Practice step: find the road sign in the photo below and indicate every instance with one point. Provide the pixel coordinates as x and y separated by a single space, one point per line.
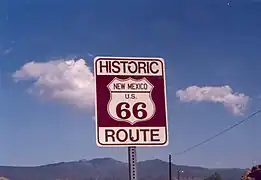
131 107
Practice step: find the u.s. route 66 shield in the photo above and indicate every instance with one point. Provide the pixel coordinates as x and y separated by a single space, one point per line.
130 100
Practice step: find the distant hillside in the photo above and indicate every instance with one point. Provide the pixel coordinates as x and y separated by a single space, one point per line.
110 169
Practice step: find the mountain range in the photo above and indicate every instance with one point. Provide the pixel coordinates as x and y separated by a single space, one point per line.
111 169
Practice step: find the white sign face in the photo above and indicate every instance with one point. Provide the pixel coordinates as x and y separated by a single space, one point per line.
130 101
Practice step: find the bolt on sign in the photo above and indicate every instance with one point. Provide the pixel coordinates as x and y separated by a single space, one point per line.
131 107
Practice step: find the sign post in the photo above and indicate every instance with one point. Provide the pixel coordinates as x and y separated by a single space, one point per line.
131 107
132 161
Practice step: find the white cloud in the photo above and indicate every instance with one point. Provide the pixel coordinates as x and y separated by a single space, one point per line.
69 81
91 55
235 102
7 51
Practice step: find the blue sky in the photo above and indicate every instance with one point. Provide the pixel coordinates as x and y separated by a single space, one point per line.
204 43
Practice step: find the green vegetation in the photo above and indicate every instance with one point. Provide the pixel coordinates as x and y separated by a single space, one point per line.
214 176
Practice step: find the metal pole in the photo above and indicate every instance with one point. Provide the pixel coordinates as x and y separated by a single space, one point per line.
170 176
132 163
178 174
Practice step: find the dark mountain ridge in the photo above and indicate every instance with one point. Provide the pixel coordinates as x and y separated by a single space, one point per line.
111 169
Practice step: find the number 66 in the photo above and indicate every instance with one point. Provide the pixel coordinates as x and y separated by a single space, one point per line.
125 113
